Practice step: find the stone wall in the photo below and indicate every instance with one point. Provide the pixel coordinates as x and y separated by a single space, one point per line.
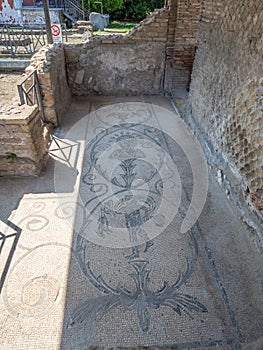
133 64
226 91
23 141
24 137
51 69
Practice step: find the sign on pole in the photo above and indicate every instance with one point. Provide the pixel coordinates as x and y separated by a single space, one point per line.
56 33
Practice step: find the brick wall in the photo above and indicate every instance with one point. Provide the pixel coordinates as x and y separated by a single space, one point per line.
51 69
170 45
226 90
153 28
23 141
185 40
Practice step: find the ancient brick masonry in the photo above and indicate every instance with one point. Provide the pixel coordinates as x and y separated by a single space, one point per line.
185 40
24 137
153 28
51 69
23 141
225 100
226 91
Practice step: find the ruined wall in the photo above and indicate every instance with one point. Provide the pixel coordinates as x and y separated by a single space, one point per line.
185 25
170 45
121 65
226 92
23 141
51 69
24 137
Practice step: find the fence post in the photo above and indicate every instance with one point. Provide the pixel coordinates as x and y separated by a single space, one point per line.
21 94
39 97
10 41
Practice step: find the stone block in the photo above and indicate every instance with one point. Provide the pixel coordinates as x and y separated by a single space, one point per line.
99 21
79 76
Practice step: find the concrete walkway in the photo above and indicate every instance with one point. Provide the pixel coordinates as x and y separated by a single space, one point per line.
126 240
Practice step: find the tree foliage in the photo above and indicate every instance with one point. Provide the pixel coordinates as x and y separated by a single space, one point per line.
134 10
108 5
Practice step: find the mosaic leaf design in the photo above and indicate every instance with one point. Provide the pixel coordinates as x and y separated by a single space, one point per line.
141 300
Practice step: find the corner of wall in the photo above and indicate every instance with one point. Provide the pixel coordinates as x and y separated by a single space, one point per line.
50 64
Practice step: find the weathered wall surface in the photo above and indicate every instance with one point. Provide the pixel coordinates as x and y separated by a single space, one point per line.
23 141
121 65
23 136
51 69
37 16
9 13
12 12
116 69
185 41
226 93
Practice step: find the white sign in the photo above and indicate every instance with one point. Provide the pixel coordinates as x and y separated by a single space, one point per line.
56 33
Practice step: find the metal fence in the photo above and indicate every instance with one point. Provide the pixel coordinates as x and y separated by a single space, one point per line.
29 92
23 40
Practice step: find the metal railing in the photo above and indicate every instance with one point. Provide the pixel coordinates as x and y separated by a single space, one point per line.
73 9
30 94
10 242
24 40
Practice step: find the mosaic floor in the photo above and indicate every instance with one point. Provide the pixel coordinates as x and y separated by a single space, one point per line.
126 240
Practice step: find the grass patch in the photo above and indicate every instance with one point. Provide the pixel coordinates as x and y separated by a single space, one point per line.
117 27
122 25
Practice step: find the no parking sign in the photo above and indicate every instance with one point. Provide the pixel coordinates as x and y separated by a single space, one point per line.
56 33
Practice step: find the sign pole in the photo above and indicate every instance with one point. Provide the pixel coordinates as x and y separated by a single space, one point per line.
48 22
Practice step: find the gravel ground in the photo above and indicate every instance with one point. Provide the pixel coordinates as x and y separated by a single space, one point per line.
8 87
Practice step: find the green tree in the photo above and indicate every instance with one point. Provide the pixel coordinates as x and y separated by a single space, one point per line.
121 10
135 10
154 4
108 5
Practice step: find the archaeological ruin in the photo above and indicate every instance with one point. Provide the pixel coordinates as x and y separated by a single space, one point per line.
206 58
209 51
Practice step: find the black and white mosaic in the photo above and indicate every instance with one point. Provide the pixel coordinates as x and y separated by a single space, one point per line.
140 271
